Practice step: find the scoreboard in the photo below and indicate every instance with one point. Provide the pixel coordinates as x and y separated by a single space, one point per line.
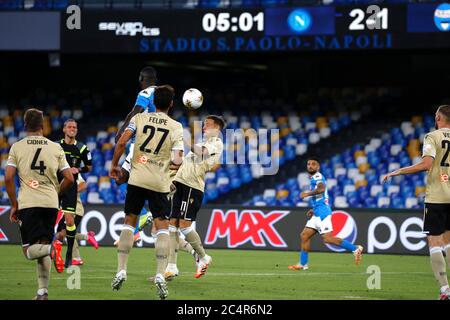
360 27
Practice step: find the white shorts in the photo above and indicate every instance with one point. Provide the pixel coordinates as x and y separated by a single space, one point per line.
321 226
127 163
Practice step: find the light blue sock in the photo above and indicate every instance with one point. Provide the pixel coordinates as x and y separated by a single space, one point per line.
348 246
303 258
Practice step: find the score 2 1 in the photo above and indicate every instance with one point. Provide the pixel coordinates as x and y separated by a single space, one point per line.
374 18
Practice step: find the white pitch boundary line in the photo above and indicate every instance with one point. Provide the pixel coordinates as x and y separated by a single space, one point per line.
303 273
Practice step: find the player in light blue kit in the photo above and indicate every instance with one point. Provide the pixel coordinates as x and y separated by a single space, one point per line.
144 100
319 218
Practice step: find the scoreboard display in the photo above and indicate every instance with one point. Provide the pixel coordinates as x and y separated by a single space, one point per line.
360 27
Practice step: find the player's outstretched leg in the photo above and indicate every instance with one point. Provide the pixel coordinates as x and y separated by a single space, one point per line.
356 249
124 247
185 246
90 238
194 239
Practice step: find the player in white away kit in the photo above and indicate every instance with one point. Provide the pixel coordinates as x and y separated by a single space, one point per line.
436 216
159 145
190 184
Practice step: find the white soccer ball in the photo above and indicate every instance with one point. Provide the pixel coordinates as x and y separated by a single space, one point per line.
193 98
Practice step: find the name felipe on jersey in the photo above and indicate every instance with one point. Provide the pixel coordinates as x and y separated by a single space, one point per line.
157 120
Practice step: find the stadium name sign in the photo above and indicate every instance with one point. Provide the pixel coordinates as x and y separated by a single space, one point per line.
267 43
269 228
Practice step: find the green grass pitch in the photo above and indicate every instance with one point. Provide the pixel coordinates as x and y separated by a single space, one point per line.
234 274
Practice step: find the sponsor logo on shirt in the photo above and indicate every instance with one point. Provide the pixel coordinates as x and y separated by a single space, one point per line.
33 184
142 159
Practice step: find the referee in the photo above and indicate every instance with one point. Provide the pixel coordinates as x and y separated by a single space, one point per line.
436 219
77 153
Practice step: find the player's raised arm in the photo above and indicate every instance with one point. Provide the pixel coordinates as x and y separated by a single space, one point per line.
136 110
177 148
177 159
424 165
198 150
428 155
115 171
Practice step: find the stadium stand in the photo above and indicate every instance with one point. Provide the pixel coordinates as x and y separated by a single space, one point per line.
321 118
354 177
295 135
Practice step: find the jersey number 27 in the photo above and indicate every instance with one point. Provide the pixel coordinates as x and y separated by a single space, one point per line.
152 129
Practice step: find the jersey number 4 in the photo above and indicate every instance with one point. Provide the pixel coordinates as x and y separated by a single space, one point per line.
41 166
152 129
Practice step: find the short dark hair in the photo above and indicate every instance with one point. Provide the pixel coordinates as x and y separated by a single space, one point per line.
313 158
34 120
163 97
220 121
70 120
445 111
148 74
